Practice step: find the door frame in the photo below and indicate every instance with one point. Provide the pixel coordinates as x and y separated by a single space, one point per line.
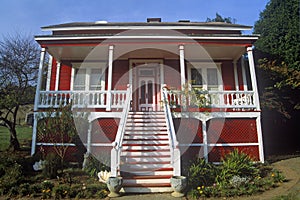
158 79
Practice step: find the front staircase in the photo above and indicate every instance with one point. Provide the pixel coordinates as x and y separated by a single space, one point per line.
145 157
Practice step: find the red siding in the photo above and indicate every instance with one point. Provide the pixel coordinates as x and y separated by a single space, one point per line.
228 75
188 130
240 75
120 74
65 77
232 131
104 130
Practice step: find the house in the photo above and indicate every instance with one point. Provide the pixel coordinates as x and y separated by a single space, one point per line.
158 93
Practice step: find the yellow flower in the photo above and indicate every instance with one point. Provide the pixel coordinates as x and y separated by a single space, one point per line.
273 175
202 186
198 188
201 191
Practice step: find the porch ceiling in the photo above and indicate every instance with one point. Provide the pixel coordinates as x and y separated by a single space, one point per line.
193 52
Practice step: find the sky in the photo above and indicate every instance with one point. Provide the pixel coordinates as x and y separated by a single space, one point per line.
28 16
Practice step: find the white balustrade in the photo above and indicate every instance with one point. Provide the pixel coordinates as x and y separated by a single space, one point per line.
81 99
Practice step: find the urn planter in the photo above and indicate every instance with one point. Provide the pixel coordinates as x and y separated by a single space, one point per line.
179 184
114 184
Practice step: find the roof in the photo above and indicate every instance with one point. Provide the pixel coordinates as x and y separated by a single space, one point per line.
138 25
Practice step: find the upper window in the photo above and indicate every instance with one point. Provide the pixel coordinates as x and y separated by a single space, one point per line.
89 77
205 76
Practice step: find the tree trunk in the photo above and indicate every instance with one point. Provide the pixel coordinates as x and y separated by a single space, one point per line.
14 142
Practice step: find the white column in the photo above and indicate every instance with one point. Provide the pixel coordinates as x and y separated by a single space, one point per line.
253 77
36 101
244 74
109 81
205 146
57 76
236 76
89 138
49 73
260 139
182 65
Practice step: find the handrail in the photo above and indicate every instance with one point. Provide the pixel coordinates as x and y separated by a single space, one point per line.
117 144
175 152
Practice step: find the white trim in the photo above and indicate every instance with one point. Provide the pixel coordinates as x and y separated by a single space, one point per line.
109 81
182 65
89 66
244 74
204 66
37 38
72 78
204 134
49 73
147 27
36 100
58 65
253 77
260 139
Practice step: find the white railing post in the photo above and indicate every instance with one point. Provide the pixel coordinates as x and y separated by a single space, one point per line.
37 100
109 77
117 144
174 149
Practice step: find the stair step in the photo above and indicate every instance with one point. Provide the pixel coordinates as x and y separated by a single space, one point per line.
146 143
146 148
153 177
149 173
148 189
146 132
146 120
144 181
145 128
146 137
145 153
147 159
145 167
142 124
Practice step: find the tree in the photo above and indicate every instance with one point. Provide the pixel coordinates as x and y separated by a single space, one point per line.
19 59
279 50
219 18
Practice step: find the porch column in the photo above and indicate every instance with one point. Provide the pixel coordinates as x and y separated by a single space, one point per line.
36 100
244 74
109 81
182 65
49 73
253 77
57 75
236 79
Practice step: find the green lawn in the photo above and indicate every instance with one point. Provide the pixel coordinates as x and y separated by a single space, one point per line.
24 134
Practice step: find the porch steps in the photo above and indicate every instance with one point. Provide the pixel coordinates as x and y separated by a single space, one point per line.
145 158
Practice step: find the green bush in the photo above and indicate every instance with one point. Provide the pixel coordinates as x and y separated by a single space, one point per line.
52 163
93 166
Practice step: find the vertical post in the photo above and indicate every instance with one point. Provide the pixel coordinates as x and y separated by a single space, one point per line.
253 77
205 146
89 139
49 73
57 75
36 100
109 81
182 65
244 74
236 79
260 139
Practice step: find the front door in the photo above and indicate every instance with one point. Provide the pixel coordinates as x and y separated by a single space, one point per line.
146 93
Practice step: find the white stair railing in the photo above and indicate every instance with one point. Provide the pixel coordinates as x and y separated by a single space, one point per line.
117 144
175 152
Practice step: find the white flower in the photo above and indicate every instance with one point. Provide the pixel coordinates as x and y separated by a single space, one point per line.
38 165
103 176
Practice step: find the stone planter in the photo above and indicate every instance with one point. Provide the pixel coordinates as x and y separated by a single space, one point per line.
179 184
114 184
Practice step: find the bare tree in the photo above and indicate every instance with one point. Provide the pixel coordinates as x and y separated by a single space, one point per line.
19 59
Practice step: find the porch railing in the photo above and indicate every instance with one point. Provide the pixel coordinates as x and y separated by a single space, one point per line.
175 152
117 144
213 99
82 99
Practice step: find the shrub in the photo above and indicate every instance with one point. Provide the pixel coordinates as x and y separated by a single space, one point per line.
51 166
94 165
236 164
200 173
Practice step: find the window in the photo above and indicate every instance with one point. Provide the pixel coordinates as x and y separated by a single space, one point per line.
205 76
89 78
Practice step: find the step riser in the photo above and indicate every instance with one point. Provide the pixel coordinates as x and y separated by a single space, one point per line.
147 142
148 159
146 154
146 137
141 181
147 190
145 148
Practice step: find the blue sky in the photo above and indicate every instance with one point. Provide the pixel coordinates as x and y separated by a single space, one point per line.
29 15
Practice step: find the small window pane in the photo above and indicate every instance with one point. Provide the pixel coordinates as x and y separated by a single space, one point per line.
196 77
95 79
212 76
79 82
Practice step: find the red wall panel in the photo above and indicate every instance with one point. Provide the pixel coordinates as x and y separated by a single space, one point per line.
53 75
65 77
228 75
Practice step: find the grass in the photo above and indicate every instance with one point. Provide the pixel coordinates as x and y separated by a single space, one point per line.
24 134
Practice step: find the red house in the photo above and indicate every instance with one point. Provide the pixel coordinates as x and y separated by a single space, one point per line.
158 93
